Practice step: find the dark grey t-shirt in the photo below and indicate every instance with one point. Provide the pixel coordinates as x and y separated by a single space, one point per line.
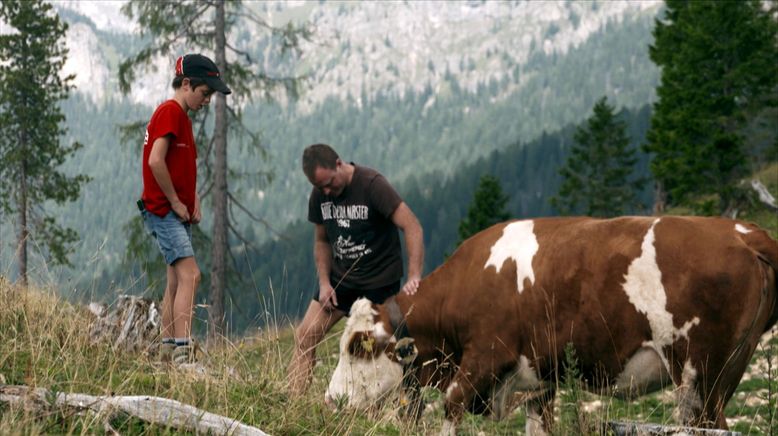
364 240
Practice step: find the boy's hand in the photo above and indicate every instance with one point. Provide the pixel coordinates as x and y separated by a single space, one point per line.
197 215
181 210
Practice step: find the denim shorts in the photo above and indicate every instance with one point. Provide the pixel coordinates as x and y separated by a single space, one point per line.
174 238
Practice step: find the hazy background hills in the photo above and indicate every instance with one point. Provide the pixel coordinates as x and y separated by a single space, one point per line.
430 93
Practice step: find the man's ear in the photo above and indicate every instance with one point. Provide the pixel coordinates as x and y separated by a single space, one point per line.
363 345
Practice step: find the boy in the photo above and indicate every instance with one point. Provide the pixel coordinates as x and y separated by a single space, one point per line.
170 204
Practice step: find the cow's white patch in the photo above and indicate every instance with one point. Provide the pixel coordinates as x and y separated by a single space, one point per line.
644 372
534 425
643 286
518 242
364 381
450 390
380 332
742 229
689 403
527 377
449 428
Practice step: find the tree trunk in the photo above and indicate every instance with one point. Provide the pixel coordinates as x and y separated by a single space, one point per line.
219 247
23 230
660 198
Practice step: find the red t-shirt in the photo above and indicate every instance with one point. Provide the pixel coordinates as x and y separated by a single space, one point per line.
181 158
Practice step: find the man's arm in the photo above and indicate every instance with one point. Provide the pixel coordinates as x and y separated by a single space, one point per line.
162 176
322 253
404 218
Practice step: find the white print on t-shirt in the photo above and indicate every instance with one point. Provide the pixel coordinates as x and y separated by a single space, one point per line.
351 212
347 249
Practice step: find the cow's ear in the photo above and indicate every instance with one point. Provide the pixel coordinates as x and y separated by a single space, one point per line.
405 351
363 344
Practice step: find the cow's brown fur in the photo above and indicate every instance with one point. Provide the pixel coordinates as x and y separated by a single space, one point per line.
471 325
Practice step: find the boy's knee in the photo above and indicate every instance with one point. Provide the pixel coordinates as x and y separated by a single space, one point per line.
189 274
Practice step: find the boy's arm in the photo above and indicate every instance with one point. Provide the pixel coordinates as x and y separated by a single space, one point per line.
197 215
162 176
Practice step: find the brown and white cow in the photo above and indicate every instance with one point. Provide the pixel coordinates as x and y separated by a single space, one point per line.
644 301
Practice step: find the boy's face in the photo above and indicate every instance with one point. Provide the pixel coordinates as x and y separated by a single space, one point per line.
198 97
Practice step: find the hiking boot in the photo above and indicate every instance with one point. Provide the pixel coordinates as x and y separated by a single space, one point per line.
184 354
165 352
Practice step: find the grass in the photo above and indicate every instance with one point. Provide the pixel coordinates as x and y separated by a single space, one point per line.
44 342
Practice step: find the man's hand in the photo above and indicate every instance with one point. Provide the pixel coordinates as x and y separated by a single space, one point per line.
411 286
327 297
181 210
197 214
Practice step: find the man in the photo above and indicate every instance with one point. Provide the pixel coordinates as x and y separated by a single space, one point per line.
169 203
356 214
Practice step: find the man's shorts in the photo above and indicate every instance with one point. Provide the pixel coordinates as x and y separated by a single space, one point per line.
347 296
174 238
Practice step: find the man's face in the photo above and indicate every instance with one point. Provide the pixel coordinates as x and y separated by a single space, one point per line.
330 182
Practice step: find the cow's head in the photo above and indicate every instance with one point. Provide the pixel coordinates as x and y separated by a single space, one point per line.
371 360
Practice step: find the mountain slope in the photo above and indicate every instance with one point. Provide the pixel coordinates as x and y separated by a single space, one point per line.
402 124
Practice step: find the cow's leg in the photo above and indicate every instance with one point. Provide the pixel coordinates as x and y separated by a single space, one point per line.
701 396
687 396
540 412
716 388
474 377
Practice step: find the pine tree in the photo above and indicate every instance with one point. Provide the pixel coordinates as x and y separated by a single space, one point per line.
596 176
719 60
205 26
487 208
31 89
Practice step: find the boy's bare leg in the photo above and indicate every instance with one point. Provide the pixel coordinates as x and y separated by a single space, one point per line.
315 324
167 303
188 278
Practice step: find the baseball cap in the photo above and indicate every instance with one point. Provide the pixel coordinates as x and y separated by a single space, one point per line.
197 65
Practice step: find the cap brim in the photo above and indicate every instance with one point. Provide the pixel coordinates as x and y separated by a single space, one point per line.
217 85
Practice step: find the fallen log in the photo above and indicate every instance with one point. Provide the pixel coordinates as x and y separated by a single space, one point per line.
156 410
639 429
